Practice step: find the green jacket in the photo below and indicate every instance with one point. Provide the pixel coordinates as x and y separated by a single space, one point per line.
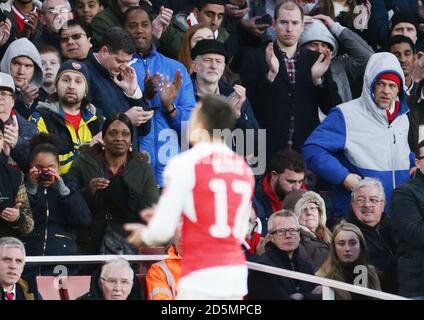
103 21
122 200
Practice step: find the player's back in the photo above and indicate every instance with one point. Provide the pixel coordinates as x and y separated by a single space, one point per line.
216 212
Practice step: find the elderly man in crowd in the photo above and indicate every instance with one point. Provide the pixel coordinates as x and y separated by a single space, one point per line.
368 201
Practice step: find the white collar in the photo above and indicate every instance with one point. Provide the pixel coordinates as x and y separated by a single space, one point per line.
12 291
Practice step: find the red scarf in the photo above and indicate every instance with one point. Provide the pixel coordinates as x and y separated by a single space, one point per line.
276 203
392 116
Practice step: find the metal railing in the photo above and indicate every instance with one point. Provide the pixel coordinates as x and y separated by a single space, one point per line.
328 285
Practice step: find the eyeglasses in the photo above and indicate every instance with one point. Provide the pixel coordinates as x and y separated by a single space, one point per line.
361 201
58 10
282 232
5 94
75 36
114 282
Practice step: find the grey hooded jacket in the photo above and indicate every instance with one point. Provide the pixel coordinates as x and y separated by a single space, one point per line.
349 66
23 47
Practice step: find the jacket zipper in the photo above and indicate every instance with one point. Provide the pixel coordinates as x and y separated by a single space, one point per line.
47 223
393 160
62 236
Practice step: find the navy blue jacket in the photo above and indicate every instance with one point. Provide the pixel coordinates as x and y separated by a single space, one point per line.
20 153
56 218
108 97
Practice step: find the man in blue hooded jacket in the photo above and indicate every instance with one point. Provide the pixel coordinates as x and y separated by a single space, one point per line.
366 137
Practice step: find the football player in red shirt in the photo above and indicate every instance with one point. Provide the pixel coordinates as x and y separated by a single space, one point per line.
210 187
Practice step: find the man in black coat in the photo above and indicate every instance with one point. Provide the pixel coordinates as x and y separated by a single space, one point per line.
207 79
407 212
282 251
368 201
286 84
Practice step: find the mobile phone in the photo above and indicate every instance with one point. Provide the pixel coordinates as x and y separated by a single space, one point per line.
265 19
3 203
149 108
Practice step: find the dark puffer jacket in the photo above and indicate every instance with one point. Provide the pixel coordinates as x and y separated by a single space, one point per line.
407 212
266 286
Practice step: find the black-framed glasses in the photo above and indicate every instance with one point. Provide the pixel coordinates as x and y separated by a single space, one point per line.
75 36
282 232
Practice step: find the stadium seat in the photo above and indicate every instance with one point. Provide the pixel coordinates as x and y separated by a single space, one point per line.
75 286
143 284
48 287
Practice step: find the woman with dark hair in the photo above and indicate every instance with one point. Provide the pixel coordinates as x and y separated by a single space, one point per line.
15 213
116 181
346 262
57 209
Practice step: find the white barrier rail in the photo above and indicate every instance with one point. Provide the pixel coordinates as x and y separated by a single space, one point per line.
87 259
327 284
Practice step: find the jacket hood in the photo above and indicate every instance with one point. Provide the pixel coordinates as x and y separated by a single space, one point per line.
317 31
307 198
378 64
54 106
23 47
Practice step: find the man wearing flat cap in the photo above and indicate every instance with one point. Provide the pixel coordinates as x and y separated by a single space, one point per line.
68 113
209 58
366 137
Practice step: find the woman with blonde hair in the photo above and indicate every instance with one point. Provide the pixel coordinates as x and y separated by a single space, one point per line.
314 235
191 37
348 261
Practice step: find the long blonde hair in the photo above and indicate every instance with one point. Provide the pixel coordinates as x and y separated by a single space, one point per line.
333 267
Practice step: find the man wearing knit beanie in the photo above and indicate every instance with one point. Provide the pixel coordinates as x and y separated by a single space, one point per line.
68 113
366 137
386 90
404 24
